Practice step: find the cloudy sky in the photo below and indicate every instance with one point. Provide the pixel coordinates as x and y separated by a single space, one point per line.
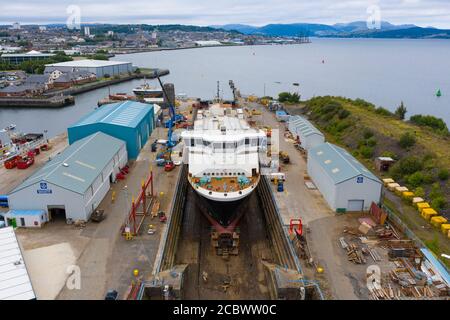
211 12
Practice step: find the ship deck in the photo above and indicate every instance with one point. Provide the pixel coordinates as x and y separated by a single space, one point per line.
225 184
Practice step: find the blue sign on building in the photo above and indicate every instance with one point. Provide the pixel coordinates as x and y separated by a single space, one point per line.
359 180
44 188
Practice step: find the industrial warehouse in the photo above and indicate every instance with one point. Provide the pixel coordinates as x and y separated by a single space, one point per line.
74 182
100 68
305 133
343 181
132 122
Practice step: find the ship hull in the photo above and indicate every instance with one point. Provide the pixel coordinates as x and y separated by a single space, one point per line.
224 213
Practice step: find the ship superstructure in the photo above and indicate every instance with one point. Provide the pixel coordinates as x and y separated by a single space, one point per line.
222 152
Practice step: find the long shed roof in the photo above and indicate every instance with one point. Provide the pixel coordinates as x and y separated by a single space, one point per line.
303 126
15 283
87 63
77 167
339 165
125 113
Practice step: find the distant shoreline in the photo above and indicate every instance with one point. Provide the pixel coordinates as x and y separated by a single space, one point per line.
201 47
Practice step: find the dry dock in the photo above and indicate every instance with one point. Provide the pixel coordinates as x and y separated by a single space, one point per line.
266 267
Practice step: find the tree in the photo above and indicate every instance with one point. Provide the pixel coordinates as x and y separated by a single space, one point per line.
401 111
407 140
443 174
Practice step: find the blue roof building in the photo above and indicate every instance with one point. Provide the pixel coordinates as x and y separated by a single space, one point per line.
130 121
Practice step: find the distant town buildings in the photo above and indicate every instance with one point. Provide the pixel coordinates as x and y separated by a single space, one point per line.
87 31
17 58
16 26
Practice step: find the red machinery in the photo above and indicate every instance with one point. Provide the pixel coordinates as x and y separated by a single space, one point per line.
12 163
169 166
296 226
26 162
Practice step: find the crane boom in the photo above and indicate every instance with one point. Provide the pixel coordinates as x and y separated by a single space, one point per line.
172 113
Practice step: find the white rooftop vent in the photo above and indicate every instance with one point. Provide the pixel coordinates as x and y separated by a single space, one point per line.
327 161
319 153
335 170
65 164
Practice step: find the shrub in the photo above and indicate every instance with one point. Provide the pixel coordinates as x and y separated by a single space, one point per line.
289 97
367 133
439 203
343 114
416 179
382 111
371 142
407 140
366 151
430 121
443 174
419 192
406 166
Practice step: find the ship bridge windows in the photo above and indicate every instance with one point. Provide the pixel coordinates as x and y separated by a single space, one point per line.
230 145
217 145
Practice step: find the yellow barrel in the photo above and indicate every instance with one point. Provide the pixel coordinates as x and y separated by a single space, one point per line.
408 195
438 221
422 205
428 213
445 228
400 190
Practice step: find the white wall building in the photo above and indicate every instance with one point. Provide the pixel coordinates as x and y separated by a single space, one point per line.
99 67
25 218
303 130
343 181
74 182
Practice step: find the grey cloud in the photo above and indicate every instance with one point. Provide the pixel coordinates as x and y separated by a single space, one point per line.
206 12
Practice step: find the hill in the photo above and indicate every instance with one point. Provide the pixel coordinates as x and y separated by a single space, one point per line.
357 29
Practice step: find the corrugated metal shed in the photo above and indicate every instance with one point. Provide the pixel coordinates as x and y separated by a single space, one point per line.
15 283
300 126
77 167
126 113
339 164
307 133
130 121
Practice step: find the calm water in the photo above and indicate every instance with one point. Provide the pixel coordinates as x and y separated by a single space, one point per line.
384 72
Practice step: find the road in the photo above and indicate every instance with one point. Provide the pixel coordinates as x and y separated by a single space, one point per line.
325 227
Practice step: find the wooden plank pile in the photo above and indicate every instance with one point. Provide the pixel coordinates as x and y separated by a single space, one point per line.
355 255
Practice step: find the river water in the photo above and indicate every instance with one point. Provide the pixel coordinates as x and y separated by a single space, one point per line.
384 72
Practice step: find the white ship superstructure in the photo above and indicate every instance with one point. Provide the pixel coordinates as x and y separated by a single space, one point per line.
222 152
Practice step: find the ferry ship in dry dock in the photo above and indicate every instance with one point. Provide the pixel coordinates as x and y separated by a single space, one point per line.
222 152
